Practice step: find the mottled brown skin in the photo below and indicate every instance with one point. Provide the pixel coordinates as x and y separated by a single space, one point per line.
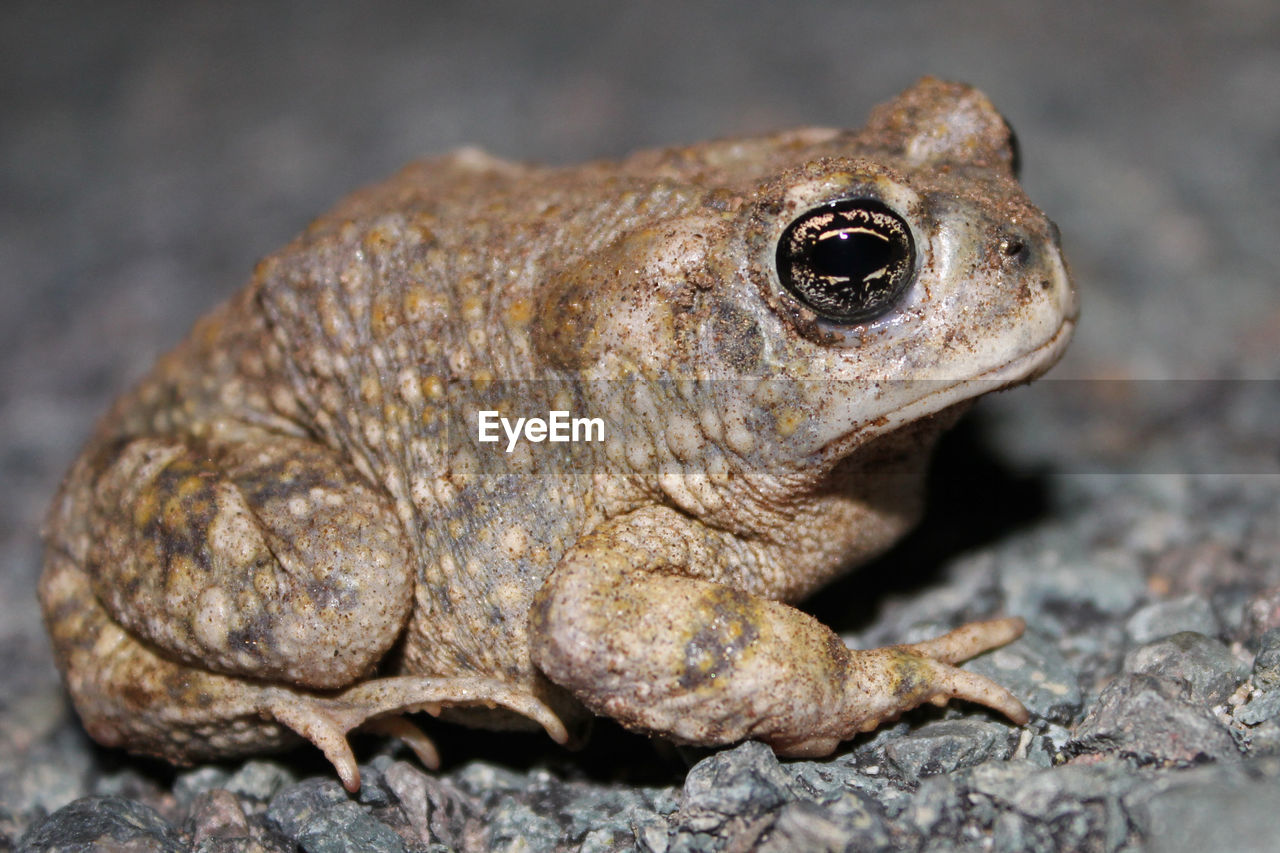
289 526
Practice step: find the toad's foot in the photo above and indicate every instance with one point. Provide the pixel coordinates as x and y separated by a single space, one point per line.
378 704
882 684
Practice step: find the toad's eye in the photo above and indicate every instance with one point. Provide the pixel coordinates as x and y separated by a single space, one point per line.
850 260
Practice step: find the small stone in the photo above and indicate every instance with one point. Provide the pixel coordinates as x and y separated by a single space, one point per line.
1151 719
1266 664
373 788
347 828
1265 704
409 786
1049 793
103 823
930 810
191 784
601 813
744 780
1259 709
298 805
435 809
1204 665
131 783
1045 748
259 780
604 840
1264 737
1162 618
864 820
944 746
652 833
320 816
216 814
481 777
828 781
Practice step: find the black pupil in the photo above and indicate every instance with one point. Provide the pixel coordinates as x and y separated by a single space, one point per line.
853 254
850 261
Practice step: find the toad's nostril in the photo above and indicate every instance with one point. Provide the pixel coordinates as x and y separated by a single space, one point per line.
1011 247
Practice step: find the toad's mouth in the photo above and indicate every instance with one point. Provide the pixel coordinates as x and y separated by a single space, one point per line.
1029 366
1019 370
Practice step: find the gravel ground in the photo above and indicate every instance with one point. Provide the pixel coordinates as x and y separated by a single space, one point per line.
1127 505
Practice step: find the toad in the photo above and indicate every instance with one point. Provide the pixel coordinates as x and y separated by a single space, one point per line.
297 525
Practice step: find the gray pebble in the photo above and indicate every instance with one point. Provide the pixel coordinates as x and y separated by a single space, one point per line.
1259 709
1266 664
1150 719
1016 805
435 810
373 788
298 805
1263 739
1202 664
1162 618
1265 705
947 745
652 833
103 823
323 819
347 828
1049 793
514 821
1073 807
216 814
259 780
1013 833
1262 612
192 783
743 780
863 771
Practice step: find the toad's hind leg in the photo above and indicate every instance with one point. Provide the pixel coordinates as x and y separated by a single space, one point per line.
266 557
130 695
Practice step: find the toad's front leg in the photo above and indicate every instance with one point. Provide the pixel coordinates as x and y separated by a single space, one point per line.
624 623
